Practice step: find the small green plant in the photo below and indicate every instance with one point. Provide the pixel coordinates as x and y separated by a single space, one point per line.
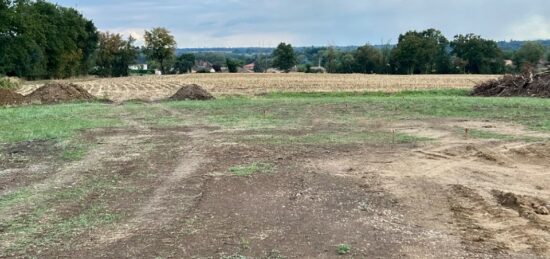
233 256
248 170
7 83
275 254
245 244
343 249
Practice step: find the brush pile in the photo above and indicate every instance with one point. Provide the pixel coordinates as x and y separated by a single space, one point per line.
526 84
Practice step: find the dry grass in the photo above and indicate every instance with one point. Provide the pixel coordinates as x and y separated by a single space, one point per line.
158 87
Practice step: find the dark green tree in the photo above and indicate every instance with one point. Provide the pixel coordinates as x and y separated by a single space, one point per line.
368 59
160 46
115 55
184 63
42 40
284 57
232 65
481 56
529 54
346 63
330 57
421 52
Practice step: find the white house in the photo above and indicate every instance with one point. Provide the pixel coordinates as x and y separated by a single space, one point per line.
138 67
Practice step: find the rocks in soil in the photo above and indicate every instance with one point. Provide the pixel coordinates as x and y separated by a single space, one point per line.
59 92
527 84
9 97
191 92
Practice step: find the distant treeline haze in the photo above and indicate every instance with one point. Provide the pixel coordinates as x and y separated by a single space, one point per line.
43 40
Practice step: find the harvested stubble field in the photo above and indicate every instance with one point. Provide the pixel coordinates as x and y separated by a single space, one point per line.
281 175
155 87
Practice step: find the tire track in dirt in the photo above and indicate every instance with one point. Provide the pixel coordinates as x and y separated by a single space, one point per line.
451 184
173 197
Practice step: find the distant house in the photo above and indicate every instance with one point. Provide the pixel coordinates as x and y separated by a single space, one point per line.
138 67
203 67
317 70
247 68
508 62
273 70
250 66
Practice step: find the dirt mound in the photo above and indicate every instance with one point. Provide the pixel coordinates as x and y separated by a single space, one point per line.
9 97
59 92
516 85
525 205
191 92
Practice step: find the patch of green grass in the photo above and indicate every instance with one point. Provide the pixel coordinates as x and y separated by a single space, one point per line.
73 150
274 254
60 122
250 169
42 227
20 195
343 249
404 93
294 110
48 223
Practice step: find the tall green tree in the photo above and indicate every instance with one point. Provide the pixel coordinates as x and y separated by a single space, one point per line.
330 57
481 56
160 46
346 63
43 40
421 52
529 54
284 57
184 63
233 65
368 59
115 54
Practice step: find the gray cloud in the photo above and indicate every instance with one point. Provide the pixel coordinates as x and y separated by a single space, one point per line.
317 22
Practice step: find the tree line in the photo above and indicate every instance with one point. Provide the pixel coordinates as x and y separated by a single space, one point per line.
423 52
43 40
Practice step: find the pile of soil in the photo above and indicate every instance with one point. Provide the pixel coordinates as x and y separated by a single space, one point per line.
516 85
59 92
191 92
9 97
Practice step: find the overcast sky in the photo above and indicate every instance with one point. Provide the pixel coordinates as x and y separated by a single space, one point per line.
243 23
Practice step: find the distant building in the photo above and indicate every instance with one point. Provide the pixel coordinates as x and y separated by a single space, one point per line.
203 67
247 68
273 70
318 70
138 67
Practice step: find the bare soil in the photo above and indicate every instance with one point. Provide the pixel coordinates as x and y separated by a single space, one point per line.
454 198
9 97
191 92
58 92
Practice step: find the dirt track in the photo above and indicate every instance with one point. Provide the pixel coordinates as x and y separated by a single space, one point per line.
430 200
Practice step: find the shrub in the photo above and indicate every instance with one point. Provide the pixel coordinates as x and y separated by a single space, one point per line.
343 249
9 83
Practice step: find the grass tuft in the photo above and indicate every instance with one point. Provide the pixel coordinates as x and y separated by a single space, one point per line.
248 170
